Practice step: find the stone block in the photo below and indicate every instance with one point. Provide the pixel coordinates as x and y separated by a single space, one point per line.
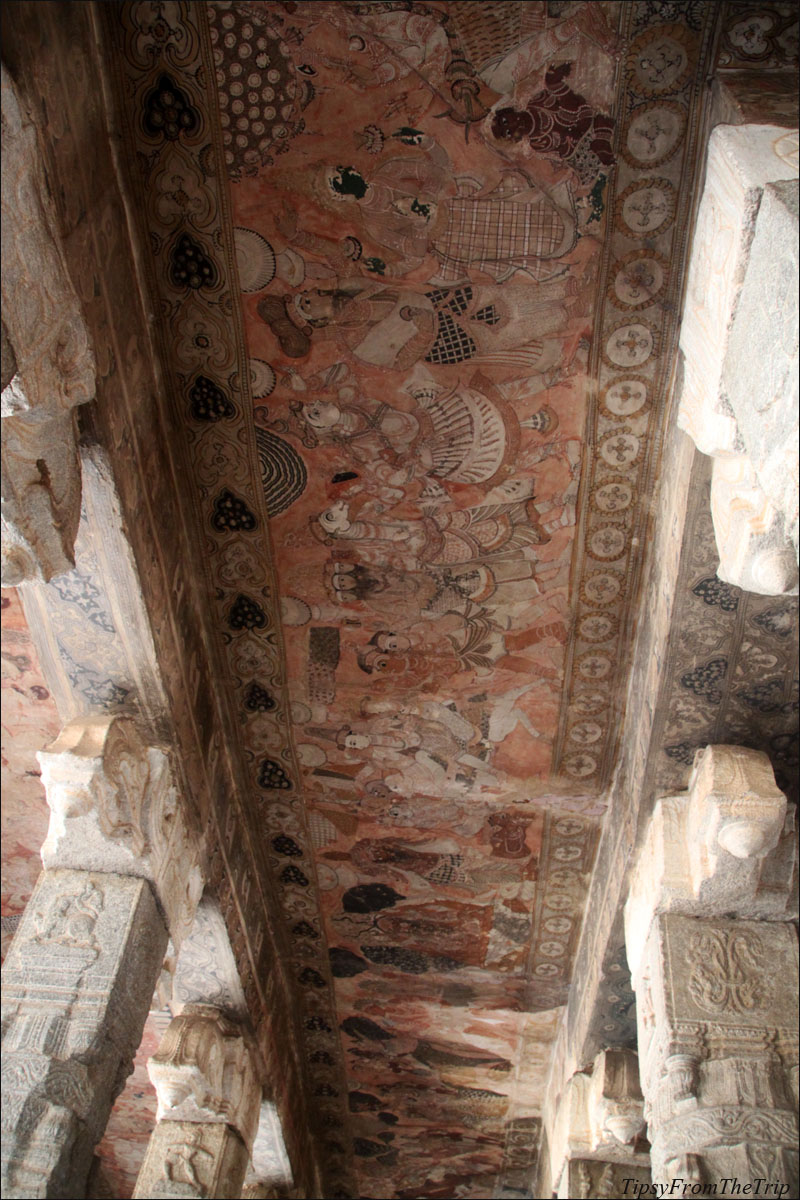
761 370
593 1179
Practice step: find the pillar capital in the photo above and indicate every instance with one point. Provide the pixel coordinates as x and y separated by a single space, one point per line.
203 1072
114 808
725 847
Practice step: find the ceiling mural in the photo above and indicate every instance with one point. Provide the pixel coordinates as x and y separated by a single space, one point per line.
416 269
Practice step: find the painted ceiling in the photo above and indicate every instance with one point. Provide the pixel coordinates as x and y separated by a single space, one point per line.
416 270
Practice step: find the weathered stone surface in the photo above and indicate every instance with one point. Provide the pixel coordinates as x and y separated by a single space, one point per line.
192 1159
48 366
738 263
587 1179
205 971
717 1039
203 1072
77 985
600 1116
270 1172
760 376
114 808
727 847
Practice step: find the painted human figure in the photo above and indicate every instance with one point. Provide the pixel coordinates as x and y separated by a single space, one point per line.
472 534
411 207
463 434
514 327
559 123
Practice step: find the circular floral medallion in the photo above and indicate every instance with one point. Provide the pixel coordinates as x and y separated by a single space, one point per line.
654 133
586 733
603 587
579 766
621 449
596 664
614 495
625 397
660 60
630 344
597 627
646 207
589 703
638 279
608 543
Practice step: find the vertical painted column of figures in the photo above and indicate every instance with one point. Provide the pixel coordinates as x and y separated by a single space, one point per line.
79 977
714 965
595 1143
209 1103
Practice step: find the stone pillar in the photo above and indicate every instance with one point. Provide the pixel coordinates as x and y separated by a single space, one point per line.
596 1137
716 989
739 396
79 978
77 985
208 1109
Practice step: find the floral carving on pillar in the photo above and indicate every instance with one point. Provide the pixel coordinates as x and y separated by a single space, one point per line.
718 1040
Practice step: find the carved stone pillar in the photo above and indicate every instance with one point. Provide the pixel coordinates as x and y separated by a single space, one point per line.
77 985
597 1130
79 977
208 1109
716 992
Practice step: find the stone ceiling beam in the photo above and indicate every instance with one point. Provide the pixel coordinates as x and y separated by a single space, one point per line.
48 365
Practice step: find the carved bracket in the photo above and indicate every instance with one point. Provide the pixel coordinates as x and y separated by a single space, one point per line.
113 808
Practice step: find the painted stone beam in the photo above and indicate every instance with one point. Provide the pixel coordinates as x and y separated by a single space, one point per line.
48 365
739 399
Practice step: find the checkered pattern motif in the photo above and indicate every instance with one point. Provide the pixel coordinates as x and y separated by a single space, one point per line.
492 233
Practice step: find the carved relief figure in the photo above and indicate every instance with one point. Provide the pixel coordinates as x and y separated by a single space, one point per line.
506 327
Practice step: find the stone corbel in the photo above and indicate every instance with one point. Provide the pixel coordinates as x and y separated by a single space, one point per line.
47 370
600 1116
616 1116
726 847
203 1073
113 808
